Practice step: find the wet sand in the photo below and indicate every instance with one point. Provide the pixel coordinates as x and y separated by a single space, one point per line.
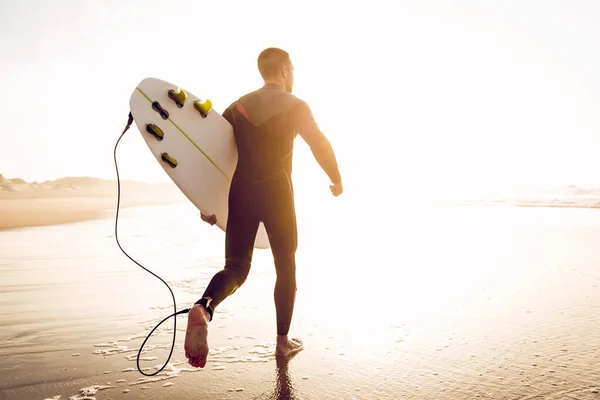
487 303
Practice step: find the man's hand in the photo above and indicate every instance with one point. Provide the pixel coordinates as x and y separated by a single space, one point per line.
337 188
211 219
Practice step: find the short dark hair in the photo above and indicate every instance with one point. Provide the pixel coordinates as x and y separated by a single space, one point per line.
271 60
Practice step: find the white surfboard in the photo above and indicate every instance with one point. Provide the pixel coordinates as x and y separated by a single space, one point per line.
194 144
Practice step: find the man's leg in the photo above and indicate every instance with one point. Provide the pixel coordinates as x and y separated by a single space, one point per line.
280 223
240 235
239 246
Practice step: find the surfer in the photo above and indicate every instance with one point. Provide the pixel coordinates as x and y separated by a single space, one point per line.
265 123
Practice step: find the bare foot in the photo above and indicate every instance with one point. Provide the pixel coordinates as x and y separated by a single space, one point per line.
196 335
287 347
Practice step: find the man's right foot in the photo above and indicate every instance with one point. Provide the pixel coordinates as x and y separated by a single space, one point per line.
287 347
196 336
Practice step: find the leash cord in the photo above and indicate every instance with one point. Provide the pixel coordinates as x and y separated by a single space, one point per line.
175 313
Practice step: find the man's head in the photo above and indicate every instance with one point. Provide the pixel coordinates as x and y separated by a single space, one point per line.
276 67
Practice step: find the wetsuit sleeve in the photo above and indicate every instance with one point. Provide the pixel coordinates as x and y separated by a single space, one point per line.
320 146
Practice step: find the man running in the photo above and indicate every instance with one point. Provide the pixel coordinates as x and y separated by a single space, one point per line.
265 124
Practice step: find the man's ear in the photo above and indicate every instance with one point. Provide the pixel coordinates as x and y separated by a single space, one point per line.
285 71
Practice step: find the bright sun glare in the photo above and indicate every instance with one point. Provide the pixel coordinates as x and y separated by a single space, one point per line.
419 101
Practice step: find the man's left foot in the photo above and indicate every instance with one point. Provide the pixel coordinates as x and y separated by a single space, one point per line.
288 347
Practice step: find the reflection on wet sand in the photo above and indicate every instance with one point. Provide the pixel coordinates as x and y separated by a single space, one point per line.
283 384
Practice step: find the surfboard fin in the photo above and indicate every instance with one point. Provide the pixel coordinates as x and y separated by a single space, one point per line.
203 106
155 131
179 96
169 160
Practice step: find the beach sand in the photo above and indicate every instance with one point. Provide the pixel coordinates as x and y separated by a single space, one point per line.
459 303
39 206
20 213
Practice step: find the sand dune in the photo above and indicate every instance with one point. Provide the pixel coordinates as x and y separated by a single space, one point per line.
73 199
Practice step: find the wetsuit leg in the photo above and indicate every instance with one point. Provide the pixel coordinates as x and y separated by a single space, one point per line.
279 217
240 235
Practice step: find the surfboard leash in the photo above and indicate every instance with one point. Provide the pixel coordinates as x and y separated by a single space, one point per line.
175 313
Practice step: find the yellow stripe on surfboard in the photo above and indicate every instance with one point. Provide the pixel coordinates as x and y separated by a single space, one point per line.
188 138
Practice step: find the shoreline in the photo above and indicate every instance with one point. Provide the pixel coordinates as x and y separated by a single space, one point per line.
530 205
26 212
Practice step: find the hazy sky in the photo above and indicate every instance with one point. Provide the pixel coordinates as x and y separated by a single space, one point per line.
410 93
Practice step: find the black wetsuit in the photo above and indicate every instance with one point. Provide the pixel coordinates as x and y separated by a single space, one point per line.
265 124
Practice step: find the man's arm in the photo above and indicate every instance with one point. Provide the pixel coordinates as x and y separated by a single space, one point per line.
320 146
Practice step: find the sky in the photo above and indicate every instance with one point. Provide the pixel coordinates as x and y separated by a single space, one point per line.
420 96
